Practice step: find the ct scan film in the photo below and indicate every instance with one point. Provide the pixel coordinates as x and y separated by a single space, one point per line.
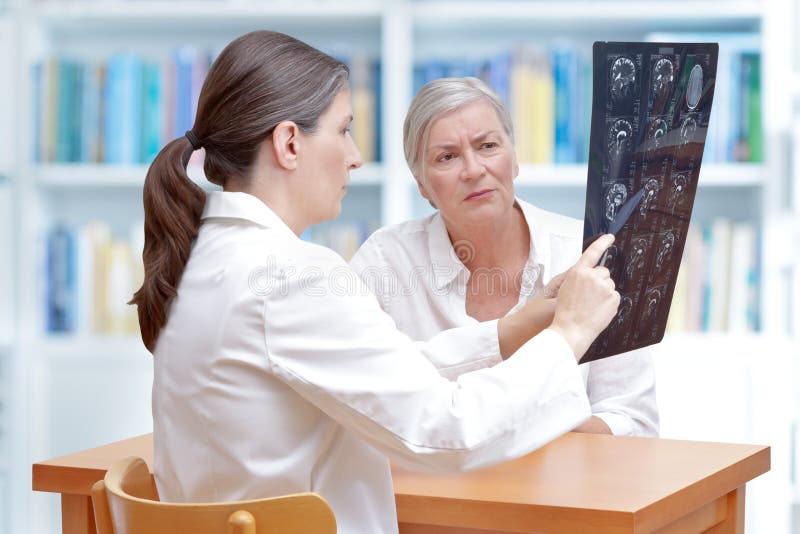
650 110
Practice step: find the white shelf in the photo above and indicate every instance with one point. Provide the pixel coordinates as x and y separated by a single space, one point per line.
86 346
122 176
60 14
711 175
640 15
132 176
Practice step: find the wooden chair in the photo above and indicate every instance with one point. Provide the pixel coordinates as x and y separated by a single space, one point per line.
126 502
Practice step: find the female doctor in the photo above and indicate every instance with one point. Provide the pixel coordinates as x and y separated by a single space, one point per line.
269 378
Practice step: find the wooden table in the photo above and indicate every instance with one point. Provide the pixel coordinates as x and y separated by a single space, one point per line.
578 483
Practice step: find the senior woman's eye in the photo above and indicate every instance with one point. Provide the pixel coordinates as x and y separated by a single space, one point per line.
447 156
489 144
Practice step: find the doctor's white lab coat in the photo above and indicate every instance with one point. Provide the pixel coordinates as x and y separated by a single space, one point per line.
277 372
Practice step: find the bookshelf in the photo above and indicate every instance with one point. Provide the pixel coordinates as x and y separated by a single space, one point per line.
132 176
399 33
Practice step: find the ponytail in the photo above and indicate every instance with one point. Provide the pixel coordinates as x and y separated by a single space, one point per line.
173 206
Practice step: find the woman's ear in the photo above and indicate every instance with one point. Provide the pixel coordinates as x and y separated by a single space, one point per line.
424 192
516 164
285 141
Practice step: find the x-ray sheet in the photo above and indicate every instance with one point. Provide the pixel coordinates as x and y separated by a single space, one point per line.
649 119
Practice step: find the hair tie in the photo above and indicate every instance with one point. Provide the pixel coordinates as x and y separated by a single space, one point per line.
193 140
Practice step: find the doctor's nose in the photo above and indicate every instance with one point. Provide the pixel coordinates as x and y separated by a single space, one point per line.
354 158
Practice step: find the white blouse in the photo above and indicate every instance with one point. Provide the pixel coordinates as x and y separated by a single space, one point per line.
277 372
420 281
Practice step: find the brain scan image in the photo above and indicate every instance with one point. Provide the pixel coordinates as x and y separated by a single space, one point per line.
665 248
688 127
677 191
656 130
615 197
623 76
650 116
638 251
651 188
610 255
653 298
663 75
619 138
694 89
624 310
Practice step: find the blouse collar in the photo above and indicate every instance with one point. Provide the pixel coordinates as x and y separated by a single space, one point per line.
244 206
447 265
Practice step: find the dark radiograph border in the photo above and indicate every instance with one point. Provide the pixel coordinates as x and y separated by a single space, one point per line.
650 114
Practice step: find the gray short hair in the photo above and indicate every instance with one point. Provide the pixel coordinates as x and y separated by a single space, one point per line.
437 98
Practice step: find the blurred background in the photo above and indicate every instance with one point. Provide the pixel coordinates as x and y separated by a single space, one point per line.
90 90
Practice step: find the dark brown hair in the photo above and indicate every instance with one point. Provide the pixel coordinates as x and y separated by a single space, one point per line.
259 80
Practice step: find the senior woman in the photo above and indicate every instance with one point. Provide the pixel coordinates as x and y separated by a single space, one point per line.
484 252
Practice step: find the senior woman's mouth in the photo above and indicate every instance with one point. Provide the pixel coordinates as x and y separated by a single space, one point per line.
477 195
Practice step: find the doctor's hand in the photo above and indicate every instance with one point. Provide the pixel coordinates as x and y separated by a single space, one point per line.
587 299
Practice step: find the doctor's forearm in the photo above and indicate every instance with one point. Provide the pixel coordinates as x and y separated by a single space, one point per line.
516 329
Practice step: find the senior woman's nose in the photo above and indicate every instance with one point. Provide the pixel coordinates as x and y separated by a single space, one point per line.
473 167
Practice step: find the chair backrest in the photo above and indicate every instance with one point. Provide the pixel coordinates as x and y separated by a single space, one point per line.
126 502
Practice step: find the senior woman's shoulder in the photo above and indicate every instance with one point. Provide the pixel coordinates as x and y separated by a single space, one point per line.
397 241
554 223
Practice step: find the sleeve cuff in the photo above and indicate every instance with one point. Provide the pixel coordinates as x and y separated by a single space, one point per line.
465 349
620 425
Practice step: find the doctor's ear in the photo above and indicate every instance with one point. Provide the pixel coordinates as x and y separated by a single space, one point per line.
285 143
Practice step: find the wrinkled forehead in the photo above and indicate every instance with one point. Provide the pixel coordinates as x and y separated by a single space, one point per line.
473 117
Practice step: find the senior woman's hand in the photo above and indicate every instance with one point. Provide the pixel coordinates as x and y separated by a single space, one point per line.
578 304
550 291
587 299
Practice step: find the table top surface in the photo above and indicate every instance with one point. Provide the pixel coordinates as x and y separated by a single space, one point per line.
629 477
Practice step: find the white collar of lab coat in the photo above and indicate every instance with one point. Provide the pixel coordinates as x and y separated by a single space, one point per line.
235 205
448 265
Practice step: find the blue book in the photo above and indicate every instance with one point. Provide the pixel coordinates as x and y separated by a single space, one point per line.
565 78
461 68
499 72
123 112
184 59
76 112
65 102
152 106
377 72
433 70
90 114
61 298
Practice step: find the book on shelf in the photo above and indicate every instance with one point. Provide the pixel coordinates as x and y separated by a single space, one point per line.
717 289
548 93
124 109
89 276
